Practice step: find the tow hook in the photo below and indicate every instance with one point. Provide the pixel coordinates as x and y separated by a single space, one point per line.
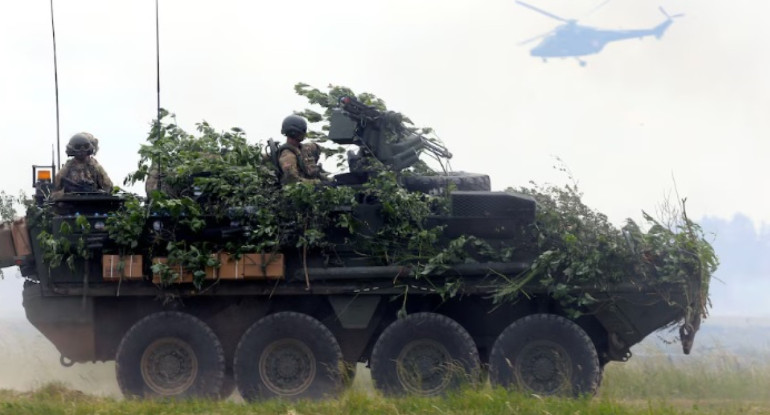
65 361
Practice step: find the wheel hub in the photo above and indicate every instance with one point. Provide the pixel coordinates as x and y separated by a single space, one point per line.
287 367
169 366
543 367
424 367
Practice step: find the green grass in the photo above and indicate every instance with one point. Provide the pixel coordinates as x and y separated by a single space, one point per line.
721 377
56 399
718 384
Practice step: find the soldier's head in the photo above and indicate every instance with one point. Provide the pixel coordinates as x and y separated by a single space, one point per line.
294 127
81 145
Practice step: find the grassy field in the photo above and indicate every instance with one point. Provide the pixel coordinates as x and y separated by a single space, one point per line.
715 384
716 379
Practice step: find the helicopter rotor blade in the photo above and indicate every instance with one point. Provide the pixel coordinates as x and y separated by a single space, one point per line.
602 4
532 39
541 11
667 15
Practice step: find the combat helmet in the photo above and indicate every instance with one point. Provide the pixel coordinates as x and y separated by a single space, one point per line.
293 126
81 144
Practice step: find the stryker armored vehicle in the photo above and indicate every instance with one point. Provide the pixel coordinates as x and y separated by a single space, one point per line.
293 325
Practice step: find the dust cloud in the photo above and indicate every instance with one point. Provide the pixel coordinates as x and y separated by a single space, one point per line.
28 361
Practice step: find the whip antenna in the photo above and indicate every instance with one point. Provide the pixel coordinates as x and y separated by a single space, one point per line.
56 88
157 76
157 59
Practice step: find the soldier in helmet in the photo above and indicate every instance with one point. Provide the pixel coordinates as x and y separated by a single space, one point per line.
298 161
82 173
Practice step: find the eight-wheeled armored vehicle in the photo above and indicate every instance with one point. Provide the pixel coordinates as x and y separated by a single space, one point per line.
295 326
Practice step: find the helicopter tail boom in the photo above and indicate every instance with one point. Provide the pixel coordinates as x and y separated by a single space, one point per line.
660 29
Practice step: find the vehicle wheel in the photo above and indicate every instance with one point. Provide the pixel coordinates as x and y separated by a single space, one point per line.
170 354
438 184
288 355
424 354
545 354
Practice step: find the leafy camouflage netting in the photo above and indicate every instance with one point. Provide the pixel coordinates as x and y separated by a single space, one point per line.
581 249
219 174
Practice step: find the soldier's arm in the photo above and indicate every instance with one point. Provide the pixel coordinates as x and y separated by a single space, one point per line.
315 150
289 167
107 182
57 181
323 175
104 179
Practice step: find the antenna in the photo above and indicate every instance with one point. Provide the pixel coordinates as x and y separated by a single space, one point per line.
56 87
157 74
157 59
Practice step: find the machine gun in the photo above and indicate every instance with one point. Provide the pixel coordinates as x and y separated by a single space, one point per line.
359 110
382 135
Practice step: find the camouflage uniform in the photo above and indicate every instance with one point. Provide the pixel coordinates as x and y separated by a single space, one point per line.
300 164
152 181
86 176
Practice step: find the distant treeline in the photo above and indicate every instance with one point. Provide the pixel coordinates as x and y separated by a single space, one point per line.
742 248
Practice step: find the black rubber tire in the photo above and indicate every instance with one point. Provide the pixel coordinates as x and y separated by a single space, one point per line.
441 350
170 339
277 343
545 354
438 184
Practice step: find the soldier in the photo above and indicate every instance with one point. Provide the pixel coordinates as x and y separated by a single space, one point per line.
82 173
153 182
298 162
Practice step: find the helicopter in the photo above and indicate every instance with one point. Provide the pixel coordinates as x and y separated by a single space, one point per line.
573 40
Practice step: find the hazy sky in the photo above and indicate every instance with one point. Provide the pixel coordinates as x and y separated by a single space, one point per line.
692 106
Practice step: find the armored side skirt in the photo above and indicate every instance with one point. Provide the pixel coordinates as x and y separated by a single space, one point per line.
67 321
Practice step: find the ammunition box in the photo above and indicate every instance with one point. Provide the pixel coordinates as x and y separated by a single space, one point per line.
179 274
132 267
268 266
251 266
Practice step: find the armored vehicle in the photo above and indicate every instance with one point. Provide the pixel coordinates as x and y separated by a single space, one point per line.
294 325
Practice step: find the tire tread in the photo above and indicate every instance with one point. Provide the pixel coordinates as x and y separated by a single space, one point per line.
380 359
593 378
137 329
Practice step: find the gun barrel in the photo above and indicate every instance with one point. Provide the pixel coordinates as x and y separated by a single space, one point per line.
437 149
